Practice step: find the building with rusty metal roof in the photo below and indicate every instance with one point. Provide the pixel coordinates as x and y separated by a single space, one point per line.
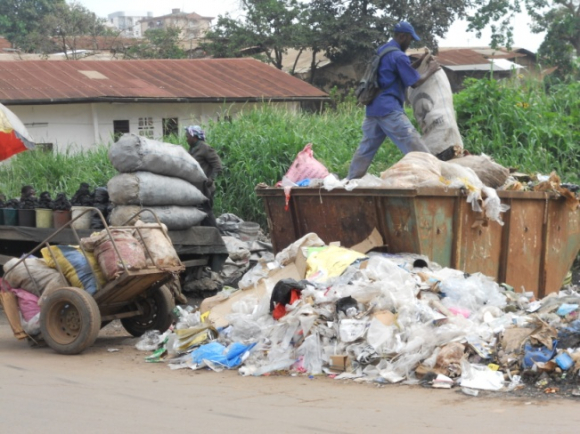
76 103
478 62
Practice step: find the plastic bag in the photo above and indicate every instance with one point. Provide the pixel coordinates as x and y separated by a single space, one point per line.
289 254
81 271
312 353
414 170
305 166
150 341
27 303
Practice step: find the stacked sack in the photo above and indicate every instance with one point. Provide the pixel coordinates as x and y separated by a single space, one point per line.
155 175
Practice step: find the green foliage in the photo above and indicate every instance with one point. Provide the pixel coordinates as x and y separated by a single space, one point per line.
520 123
158 44
268 25
63 27
346 32
55 172
19 18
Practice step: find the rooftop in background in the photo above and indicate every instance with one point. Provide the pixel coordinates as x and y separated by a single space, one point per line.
476 58
200 80
177 12
4 43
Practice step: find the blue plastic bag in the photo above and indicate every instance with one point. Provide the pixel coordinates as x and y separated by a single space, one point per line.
230 357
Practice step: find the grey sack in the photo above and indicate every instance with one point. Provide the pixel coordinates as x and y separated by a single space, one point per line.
133 153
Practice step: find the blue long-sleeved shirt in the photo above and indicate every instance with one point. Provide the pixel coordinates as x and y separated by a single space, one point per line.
395 75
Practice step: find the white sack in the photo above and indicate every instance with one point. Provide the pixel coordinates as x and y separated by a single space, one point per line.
433 109
35 276
159 246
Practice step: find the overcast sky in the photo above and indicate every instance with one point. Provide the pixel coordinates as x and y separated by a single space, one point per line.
456 37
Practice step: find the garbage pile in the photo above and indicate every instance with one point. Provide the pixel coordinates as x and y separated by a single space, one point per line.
246 244
155 175
375 317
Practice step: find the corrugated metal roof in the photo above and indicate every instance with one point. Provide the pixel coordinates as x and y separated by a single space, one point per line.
168 80
468 56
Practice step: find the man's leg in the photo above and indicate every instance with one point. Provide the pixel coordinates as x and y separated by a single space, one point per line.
400 130
373 137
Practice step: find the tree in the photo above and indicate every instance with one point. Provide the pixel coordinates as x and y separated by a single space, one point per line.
345 31
560 19
158 44
67 23
268 25
20 18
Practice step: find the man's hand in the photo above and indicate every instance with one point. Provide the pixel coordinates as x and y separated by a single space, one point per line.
433 66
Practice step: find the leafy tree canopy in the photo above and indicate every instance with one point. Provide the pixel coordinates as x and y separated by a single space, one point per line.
19 18
158 44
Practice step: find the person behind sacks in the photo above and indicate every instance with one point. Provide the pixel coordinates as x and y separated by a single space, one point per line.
211 165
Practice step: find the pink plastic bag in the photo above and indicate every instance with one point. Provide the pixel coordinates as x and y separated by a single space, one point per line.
305 166
27 302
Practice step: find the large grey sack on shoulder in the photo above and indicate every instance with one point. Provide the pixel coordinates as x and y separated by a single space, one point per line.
176 218
149 189
491 174
132 153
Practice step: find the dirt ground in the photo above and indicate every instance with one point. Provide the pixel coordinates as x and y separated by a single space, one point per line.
103 391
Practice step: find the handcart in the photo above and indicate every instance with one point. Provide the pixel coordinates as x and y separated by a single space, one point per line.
70 317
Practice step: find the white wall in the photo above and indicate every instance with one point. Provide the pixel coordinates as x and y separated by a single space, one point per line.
72 126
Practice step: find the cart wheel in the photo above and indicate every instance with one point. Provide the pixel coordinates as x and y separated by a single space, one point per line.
70 320
157 313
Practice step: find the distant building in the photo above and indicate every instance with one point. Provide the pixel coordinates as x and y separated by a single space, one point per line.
479 62
78 104
129 23
192 26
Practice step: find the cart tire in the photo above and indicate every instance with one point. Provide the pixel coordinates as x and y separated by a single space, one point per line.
70 320
157 316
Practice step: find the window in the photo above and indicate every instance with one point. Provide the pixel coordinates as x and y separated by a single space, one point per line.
120 128
170 127
146 128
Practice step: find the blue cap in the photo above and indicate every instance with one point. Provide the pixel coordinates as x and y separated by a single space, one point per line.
405 27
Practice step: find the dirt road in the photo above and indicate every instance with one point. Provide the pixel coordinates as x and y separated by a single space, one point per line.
117 392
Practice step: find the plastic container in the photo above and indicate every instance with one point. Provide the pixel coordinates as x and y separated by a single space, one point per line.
27 217
83 222
564 361
10 216
44 218
249 231
60 218
538 354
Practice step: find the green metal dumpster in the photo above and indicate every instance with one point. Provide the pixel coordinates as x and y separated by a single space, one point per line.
532 251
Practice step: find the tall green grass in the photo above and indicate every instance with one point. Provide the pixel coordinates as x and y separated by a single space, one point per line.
55 172
520 123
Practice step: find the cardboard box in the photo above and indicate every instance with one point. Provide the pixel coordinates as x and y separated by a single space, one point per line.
339 363
373 240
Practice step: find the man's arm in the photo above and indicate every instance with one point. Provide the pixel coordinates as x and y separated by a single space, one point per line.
417 62
432 69
214 161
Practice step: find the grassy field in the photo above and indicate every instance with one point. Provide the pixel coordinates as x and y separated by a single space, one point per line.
520 123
